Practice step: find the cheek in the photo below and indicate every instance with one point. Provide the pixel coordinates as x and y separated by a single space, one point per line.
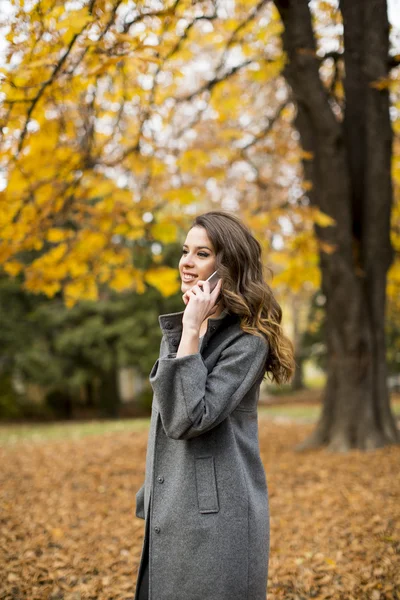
206 269
211 264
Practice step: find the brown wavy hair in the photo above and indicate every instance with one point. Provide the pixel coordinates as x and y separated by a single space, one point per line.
244 290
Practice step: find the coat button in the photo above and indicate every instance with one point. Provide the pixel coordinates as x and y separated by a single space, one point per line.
168 325
213 327
157 529
175 341
160 479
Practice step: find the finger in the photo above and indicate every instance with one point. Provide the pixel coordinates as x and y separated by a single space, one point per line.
206 287
217 289
196 289
200 284
203 286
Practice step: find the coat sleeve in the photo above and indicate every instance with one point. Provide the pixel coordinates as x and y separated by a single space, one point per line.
193 401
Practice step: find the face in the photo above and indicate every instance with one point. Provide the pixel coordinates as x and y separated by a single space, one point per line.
198 258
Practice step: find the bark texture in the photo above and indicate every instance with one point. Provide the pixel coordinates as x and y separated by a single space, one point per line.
351 180
298 378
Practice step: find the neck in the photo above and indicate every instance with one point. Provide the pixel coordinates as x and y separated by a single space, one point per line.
214 315
218 311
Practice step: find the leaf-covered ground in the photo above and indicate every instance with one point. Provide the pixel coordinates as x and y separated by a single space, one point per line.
68 528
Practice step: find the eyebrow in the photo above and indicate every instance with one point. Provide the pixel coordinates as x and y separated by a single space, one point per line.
198 247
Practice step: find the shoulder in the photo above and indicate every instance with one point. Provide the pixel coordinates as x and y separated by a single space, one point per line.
243 340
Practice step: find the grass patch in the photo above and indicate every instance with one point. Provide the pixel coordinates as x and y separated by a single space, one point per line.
38 432
295 413
304 412
10 434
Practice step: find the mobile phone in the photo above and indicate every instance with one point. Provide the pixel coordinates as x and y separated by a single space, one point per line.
213 280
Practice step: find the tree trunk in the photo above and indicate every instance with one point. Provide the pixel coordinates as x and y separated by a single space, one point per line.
90 394
350 172
298 380
109 395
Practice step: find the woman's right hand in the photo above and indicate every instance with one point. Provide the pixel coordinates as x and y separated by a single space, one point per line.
200 304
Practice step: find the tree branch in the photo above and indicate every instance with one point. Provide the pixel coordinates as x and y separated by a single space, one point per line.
43 88
271 122
155 13
209 85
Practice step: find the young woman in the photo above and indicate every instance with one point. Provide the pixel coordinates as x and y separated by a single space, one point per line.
205 498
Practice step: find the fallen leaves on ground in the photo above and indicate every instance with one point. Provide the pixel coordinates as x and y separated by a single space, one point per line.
68 529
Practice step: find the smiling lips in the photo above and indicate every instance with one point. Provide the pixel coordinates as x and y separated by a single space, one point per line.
187 277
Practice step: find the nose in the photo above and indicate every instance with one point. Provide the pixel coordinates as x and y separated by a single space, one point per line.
187 261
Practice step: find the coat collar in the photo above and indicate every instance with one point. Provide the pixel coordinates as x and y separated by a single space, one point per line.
171 326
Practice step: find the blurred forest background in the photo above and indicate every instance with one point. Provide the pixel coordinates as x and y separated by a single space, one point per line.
122 120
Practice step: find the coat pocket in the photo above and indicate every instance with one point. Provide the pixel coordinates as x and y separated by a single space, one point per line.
206 484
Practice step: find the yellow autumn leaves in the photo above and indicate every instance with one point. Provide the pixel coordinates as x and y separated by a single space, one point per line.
114 112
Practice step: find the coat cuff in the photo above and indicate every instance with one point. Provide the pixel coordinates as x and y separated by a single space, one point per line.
166 379
165 366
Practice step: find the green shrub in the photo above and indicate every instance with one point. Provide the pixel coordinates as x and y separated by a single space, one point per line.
9 407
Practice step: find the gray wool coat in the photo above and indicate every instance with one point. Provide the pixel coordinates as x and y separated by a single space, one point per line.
205 489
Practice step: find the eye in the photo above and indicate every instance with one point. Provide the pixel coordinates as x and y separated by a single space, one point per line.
203 254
